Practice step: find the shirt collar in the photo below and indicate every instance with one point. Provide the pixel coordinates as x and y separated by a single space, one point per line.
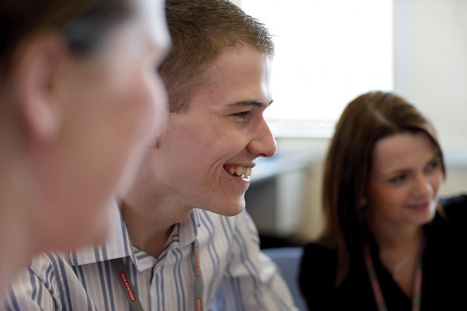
119 244
188 229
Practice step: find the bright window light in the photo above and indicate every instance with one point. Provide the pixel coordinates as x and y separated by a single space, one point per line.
327 53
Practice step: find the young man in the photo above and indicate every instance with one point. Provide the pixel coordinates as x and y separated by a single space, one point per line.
185 241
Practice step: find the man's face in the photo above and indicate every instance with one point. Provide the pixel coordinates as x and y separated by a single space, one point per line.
206 154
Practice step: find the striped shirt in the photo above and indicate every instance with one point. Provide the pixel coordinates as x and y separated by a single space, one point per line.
235 275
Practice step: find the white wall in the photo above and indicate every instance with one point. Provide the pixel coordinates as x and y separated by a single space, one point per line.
430 52
430 69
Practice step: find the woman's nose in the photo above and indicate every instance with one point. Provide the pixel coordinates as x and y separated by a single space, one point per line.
422 187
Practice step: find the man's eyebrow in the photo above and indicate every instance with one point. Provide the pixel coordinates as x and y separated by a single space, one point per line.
252 102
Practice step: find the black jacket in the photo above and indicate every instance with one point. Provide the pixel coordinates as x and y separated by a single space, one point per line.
444 284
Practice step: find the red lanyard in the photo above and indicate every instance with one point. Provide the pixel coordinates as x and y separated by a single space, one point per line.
131 295
377 292
128 288
197 272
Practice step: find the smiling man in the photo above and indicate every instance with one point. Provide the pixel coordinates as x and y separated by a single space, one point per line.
185 241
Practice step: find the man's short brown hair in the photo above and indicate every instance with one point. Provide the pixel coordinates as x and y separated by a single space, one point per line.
200 30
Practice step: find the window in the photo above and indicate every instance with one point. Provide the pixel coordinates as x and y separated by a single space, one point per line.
327 53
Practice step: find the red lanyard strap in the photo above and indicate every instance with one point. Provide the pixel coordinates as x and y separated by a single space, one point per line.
128 288
197 272
130 292
377 292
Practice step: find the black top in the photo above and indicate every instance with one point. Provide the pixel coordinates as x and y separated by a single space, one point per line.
444 284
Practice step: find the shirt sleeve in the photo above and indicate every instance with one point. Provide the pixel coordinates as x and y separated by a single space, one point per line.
31 292
48 284
252 281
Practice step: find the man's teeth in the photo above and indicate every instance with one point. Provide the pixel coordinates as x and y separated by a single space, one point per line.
240 171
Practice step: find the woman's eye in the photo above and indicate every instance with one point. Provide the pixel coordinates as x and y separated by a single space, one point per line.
434 165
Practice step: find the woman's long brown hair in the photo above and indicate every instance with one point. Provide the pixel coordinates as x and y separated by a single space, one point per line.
365 120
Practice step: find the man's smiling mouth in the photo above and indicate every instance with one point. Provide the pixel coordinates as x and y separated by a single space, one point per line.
239 171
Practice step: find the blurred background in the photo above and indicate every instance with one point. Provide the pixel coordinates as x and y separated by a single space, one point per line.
327 53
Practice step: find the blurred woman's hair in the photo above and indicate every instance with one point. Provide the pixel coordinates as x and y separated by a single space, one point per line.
83 24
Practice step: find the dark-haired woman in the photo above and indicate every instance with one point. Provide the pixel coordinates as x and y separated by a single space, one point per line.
388 244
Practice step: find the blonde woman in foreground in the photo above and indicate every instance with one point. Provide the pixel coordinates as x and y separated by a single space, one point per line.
79 100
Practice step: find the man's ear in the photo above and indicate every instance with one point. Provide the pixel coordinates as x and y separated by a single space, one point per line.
36 86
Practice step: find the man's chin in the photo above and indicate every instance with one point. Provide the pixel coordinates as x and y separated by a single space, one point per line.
231 210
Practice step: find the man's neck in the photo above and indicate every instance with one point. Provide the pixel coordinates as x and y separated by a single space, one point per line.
150 226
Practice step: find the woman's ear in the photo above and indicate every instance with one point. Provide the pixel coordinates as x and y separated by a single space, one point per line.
36 76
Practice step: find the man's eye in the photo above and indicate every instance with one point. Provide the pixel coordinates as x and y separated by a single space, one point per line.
242 114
